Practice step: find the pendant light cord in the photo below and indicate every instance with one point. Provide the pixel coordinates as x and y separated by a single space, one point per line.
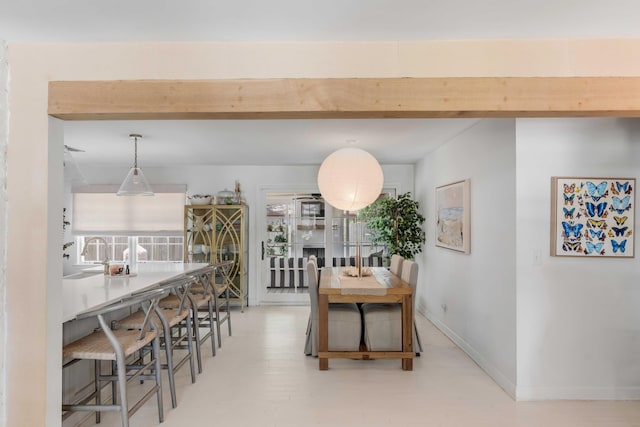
135 137
135 153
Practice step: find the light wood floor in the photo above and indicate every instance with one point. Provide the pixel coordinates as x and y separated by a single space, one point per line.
261 377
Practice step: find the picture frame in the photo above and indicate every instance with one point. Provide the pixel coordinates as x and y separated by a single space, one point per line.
593 217
453 216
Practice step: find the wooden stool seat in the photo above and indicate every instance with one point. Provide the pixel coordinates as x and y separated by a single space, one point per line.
197 289
135 320
96 346
172 301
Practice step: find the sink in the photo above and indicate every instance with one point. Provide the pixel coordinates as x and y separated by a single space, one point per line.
83 274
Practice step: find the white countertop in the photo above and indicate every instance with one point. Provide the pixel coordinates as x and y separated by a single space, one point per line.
82 294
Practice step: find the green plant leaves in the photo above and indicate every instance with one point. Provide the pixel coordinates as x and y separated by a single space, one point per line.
396 223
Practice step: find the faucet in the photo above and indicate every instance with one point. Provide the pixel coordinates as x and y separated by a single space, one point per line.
105 261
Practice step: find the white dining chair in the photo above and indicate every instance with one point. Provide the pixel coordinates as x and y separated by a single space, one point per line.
345 322
383 322
396 264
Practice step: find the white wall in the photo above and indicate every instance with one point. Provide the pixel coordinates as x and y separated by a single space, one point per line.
53 257
4 139
34 65
211 179
478 289
578 319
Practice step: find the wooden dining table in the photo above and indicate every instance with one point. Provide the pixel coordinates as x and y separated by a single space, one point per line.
381 286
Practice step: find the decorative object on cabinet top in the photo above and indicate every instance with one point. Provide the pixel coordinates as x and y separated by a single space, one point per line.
226 197
200 199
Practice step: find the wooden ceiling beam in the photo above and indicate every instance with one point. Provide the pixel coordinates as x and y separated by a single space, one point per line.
346 98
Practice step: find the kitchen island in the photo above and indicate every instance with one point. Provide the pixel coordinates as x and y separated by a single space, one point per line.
89 290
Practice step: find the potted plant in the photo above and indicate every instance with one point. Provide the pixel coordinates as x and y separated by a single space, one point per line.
281 240
397 224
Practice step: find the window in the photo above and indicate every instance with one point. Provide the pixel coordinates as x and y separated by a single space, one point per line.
152 227
162 248
98 211
148 248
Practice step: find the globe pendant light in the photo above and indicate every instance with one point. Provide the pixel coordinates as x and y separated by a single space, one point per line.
135 184
350 179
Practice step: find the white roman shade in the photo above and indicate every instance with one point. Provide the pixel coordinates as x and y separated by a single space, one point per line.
97 210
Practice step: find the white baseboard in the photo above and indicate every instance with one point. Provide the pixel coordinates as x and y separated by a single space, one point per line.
526 393
500 379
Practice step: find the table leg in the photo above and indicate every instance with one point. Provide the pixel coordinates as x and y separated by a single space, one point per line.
407 331
323 330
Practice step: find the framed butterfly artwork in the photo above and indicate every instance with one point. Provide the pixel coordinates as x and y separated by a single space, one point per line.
453 230
593 217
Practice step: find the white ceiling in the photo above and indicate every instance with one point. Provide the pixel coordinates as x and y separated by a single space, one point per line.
346 20
292 141
256 142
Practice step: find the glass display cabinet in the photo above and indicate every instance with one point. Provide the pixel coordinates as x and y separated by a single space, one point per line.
220 233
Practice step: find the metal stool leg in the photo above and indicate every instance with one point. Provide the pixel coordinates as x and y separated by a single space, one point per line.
190 348
96 367
122 385
156 351
217 308
196 334
213 338
168 346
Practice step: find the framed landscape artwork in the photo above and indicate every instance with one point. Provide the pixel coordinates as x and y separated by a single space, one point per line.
593 217
452 216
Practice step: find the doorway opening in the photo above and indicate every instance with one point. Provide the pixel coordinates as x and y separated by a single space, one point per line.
299 224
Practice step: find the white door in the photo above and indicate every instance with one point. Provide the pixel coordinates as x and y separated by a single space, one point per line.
292 227
296 223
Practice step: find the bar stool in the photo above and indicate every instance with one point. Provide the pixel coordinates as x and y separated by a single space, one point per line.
174 335
201 306
218 290
118 345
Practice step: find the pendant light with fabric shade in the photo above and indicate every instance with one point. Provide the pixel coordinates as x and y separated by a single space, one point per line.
135 184
350 179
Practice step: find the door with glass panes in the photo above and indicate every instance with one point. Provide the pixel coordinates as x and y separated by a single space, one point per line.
299 224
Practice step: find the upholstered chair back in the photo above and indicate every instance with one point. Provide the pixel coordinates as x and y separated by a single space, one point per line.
410 275
312 273
396 264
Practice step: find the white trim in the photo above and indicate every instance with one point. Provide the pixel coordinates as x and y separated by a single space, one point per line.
4 141
54 271
528 393
508 386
